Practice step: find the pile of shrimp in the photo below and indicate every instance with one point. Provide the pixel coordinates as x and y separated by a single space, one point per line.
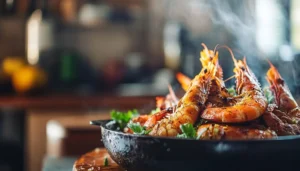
217 114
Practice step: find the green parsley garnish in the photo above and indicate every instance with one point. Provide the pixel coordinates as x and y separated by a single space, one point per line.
188 131
231 91
138 129
268 94
216 131
294 121
155 111
122 118
105 161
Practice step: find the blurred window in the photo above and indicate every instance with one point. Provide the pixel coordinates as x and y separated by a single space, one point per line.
270 26
295 24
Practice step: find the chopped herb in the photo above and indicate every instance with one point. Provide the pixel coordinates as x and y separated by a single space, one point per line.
188 131
122 118
138 129
268 94
294 121
155 111
231 91
216 130
105 161
147 131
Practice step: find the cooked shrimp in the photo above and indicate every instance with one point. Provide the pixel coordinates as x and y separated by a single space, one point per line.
218 95
206 56
142 119
284 118
153 119
283 96
225 132
189 106
282 123
166 105
170 100
150 120
250 104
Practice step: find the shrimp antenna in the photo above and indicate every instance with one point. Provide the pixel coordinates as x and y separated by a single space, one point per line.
216 48
229 78
244 60
172 93
270 63
231 53
206 49
268 60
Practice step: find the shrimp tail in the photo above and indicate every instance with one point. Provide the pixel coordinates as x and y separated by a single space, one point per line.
184 80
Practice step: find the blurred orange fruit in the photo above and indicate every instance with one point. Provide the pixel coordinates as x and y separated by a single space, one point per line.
12 64
28 78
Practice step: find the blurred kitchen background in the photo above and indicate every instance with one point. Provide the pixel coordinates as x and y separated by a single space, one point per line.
65 62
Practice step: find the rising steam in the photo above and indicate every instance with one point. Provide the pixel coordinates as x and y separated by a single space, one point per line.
253 28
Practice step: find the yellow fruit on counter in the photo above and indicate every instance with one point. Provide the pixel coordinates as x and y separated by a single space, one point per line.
28 78
12 64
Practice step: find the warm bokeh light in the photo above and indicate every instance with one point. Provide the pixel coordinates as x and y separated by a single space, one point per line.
33 37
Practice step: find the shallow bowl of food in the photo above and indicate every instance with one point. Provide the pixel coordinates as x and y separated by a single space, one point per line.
142 152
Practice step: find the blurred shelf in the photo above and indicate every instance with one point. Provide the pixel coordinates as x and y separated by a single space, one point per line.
76 102
125 3
98 27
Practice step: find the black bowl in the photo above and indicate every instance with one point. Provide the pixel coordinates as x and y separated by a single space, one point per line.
143 153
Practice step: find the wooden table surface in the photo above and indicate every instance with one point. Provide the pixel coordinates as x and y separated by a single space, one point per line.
95 160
